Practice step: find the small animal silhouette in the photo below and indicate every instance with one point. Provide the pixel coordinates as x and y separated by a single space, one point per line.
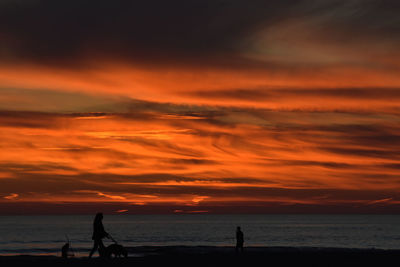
64 250
116 250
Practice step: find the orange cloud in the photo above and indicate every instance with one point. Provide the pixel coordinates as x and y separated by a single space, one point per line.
121 211
11 197
197 85
198 199
227 156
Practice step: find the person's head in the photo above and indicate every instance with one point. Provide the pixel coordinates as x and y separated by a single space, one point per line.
99 217
238 228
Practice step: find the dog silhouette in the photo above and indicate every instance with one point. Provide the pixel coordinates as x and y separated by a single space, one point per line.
116 250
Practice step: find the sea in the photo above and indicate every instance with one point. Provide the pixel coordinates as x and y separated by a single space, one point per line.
45 235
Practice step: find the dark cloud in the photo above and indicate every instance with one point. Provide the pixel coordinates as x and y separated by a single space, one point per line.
370 17
391 141
24 208
166 146
40 167
177 30
43 185
35 179
28 119
326 164
48 30
290 93
367 138
191 161
337 166
36 119
370 153
40 100
392 166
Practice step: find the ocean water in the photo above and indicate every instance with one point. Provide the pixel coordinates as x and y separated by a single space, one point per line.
46 234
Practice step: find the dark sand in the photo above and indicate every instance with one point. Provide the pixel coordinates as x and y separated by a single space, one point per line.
223 256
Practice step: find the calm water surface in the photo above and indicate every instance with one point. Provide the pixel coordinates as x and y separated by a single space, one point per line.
46 234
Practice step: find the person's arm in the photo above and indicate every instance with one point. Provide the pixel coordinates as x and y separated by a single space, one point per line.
104 233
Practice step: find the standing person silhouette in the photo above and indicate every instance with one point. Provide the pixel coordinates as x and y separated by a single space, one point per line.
239 240
98 234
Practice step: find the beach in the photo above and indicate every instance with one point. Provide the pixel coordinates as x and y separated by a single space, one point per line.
221 256
206 240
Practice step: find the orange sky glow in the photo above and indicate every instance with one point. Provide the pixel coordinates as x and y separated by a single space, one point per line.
285 117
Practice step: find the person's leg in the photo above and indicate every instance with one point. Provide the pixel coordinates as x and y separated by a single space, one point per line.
102 248
101 245
95 247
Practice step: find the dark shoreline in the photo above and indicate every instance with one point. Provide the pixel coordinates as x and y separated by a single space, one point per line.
223 256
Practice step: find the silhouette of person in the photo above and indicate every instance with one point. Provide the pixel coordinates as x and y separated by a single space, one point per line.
98 234
239 240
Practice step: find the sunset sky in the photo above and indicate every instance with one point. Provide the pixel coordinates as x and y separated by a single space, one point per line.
194 106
